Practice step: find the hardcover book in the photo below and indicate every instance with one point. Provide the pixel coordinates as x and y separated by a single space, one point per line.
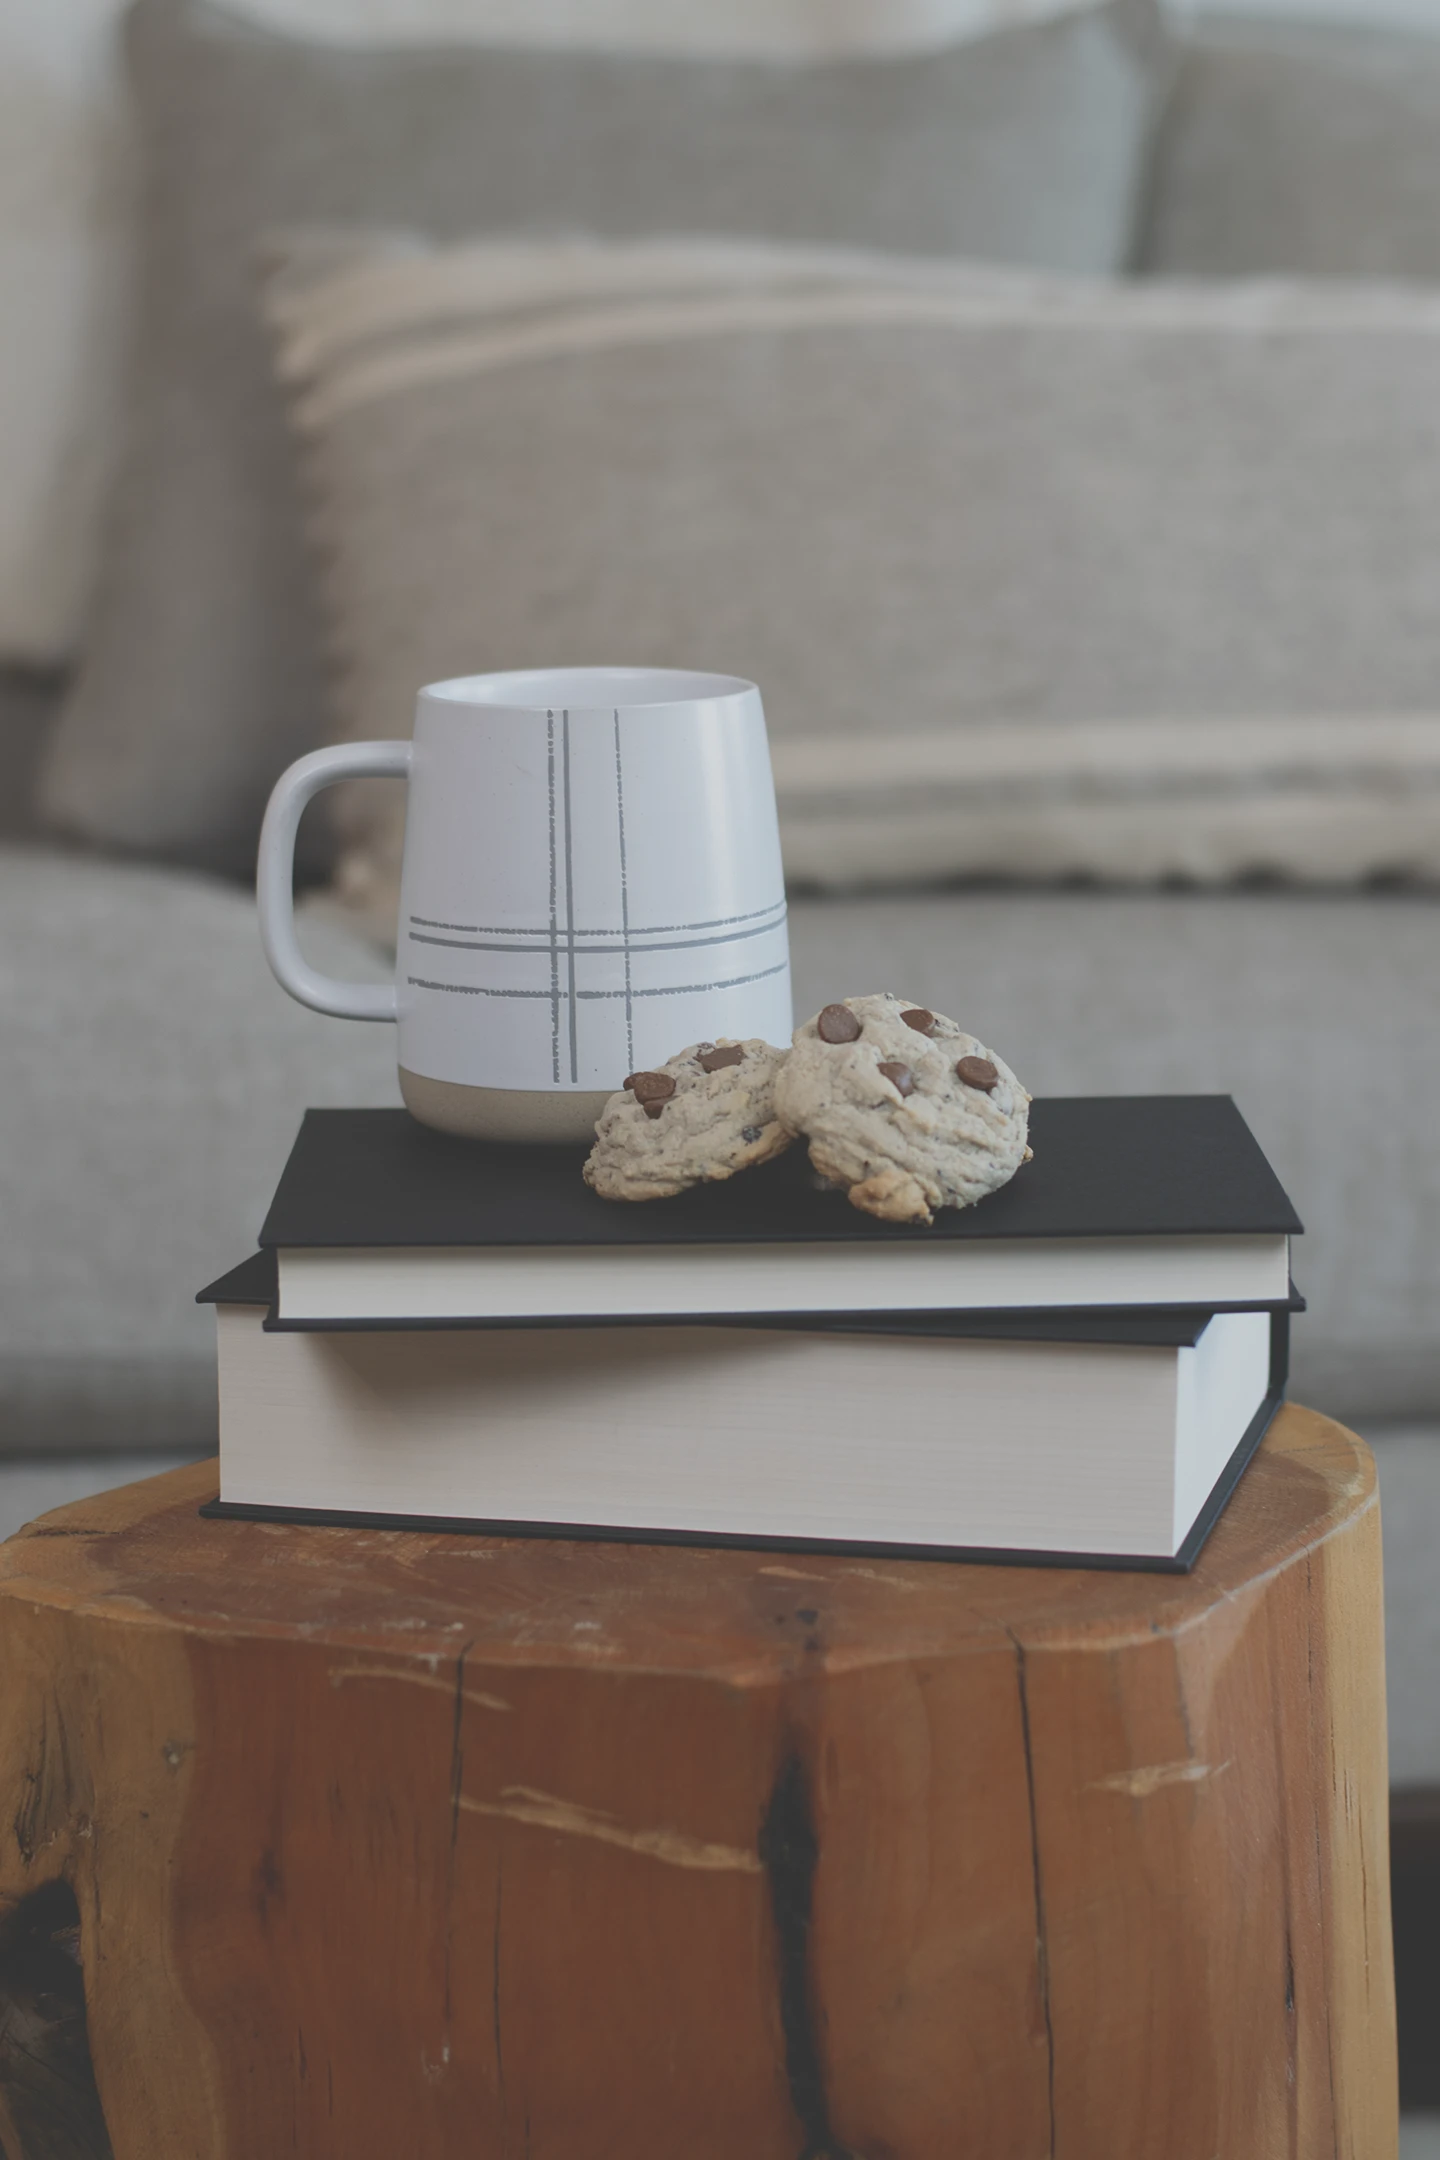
1102 1438
1156 1201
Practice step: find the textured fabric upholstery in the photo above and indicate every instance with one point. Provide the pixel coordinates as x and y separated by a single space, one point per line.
1038 576
1299 148
68 213
201 675
152 1077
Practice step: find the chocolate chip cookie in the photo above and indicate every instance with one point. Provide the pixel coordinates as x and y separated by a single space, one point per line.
902 1107
704 1114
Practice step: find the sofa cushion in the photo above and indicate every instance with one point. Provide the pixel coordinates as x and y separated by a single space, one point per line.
68 215
1297 147
152 1077
201 676
1037 576
1321 1016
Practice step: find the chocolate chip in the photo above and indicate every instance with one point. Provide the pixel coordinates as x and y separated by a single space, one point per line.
651 1087
918 1018
751 1133
900 1076
653 1109
977 1072
837 1024
712 1060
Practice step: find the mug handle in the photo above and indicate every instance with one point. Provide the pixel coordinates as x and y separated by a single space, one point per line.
275 877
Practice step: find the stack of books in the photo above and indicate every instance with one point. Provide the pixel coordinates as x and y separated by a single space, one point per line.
441 1333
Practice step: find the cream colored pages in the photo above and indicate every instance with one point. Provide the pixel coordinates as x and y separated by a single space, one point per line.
742 1432
458 1283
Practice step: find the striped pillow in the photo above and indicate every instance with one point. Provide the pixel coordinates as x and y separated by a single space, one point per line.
1039 577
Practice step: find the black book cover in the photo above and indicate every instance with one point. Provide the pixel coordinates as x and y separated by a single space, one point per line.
1104 1167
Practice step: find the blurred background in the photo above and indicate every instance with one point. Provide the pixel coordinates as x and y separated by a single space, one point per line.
1038 398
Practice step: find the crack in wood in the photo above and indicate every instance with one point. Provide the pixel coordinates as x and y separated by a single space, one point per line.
37 1530
495 1993
1042 1947
43 1803
790 1852
457 1779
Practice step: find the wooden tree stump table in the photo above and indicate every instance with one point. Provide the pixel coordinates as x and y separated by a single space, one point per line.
453 1848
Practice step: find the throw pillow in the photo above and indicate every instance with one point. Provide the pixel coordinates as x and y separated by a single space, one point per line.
68 216
1038 577
201 676
1300 148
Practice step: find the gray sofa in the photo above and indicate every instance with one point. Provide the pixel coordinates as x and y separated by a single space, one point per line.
154 1076
151 1074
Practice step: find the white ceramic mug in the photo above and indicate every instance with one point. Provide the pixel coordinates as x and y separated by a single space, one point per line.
591 880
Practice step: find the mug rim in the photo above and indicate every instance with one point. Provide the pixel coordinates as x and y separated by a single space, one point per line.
540 690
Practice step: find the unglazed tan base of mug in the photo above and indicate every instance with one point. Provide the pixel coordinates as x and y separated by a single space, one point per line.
529 1116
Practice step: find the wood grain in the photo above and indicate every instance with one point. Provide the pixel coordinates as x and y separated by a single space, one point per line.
397 1843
